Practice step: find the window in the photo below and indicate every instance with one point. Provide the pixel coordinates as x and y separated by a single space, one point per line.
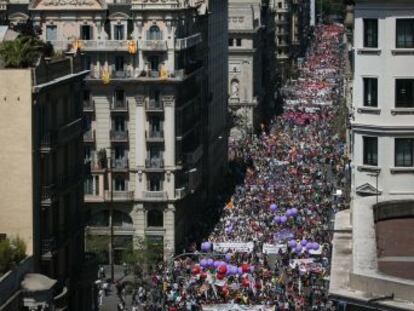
119 32
231 42
239 42
119 184
404 152
370 33
370 151
88 185
404 93
154 63
86 32
371 92
119 96
86 95
405 33
155 218
119 124
154 33
121 219
51 33
154 184
119 63
86 61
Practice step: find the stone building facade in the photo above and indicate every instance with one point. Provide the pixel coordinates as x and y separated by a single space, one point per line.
155 110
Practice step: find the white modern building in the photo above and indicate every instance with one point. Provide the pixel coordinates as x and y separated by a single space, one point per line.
372 265
383 98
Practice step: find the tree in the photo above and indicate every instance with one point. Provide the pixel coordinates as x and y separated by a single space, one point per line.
12 251
23 52
98 245
144 254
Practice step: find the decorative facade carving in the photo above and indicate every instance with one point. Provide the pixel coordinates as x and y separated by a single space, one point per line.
68 2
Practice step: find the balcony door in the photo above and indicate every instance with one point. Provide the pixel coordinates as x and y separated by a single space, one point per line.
86 32
119 32
154 62
119 124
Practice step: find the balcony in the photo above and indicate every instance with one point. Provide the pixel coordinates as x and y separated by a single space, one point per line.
119 106
154 195
153 45
47 141
194 156
153 105
188 42
89 136
47 195
154 164
119 136
70 131
119 195
120 164
135 74
47 247
181 193
93 45
88 106
154 136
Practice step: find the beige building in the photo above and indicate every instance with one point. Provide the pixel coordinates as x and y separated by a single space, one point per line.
155 110
41 194
246 48
292 22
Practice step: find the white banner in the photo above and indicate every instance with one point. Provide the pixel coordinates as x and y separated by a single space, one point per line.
274 248
241 247
236 307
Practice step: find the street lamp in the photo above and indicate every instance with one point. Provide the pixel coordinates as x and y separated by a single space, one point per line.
110 208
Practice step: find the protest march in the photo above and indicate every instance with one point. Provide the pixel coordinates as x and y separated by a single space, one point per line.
271 248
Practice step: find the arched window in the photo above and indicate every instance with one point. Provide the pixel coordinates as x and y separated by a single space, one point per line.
100 219
154 33
235 88
121 219
155 218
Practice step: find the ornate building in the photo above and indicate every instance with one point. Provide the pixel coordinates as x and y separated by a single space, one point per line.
155 109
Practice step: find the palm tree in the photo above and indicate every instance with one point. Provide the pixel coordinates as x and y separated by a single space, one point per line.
22 52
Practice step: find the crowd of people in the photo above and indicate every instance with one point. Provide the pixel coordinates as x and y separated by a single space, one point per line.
274 233
272 245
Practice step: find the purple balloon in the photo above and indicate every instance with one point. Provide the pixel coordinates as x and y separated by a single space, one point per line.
283 219
273 207
203 263
205 246
239 270
292 243
289 213
294 211
315 246
298 248
217 264
228 257
303 242
276 219
210 262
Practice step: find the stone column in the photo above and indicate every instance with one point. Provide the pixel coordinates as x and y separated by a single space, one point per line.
169 226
